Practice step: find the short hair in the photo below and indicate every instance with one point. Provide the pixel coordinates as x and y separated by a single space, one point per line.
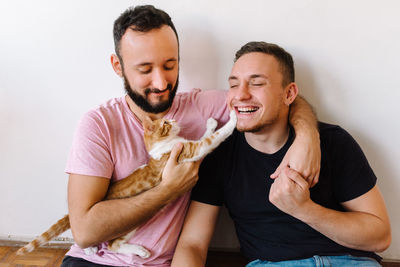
140 18
284 59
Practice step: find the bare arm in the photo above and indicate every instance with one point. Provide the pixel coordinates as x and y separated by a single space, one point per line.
365 225
304 155
94 220
196 235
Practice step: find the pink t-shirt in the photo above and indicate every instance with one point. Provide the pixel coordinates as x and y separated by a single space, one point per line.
109 143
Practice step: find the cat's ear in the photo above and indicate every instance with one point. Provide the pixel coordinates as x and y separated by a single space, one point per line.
148 124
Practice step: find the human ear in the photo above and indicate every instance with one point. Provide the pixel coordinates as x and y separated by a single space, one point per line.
291 92
116 64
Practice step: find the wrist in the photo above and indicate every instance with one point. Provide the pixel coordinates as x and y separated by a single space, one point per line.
307 131
165 192
307 212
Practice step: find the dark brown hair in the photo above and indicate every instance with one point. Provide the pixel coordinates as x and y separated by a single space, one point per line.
284 59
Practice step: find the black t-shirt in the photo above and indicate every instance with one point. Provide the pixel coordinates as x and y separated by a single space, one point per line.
237 175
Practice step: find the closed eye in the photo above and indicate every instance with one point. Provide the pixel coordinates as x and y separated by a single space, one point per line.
257 84
170 65
144 69
257 80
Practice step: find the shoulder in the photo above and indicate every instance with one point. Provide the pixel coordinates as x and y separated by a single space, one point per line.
343 157
339 147
112 107
202 104
197 96
107 114
331 134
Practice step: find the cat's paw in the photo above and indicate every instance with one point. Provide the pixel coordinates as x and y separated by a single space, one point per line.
90 250
211 124
143 253
126 248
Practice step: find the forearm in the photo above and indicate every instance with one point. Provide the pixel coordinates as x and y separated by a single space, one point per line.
196 235
303 118
113 218
353 229
304 155
186 255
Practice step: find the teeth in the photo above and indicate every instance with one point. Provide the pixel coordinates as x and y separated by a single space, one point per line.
247 109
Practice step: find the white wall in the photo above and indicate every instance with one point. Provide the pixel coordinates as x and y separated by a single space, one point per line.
54 65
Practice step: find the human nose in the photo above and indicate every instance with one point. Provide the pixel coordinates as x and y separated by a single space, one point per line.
159 80
243 92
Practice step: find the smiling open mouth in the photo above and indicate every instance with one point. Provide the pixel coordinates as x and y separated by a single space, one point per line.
246 110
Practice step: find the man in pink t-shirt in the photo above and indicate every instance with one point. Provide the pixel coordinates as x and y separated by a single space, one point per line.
108 146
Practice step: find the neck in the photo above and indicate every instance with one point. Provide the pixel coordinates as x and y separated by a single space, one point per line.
270 138
140 114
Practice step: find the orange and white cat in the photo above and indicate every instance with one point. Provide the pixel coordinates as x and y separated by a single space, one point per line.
159 137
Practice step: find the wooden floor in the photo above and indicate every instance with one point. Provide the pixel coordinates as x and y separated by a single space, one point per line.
48 257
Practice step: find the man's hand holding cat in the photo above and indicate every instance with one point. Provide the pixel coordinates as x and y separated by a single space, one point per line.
178 178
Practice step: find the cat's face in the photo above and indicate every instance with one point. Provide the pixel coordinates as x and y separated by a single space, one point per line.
158 130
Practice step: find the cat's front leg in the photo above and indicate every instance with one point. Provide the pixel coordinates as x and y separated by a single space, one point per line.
211 126
228 128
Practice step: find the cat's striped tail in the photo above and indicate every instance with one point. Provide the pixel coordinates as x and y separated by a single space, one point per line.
56 229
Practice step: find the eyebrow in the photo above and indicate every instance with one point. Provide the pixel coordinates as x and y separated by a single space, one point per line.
253 76
144 64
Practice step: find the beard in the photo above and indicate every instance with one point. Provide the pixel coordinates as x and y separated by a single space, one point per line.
143 102
258 126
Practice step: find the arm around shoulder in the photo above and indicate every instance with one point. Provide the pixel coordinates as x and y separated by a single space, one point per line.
304 155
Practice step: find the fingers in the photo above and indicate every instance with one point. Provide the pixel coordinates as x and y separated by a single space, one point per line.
175 152
297 178
314 180
279 169
311 176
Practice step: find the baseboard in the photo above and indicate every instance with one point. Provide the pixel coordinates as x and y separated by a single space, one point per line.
52 244
390 263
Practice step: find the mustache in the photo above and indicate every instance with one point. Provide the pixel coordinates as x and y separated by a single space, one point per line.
147 91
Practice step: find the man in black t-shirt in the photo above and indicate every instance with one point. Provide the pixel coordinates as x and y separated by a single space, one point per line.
281 220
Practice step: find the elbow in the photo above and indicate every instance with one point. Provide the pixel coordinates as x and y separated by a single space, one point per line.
82 238
384 243
81 241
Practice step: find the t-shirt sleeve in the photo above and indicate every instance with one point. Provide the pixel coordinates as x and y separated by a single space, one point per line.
89 154
212 104
209 187
352 174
